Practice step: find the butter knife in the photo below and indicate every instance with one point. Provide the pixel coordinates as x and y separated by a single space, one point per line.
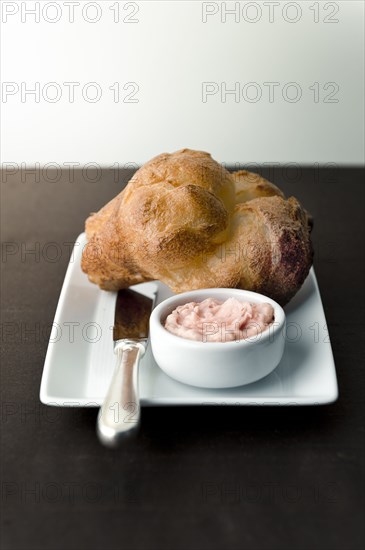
119 416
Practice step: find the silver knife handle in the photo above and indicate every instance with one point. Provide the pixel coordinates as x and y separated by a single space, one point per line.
119 415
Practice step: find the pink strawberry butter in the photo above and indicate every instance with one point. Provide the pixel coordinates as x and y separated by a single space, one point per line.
220 321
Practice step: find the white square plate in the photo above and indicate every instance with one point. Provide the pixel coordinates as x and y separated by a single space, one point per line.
80 358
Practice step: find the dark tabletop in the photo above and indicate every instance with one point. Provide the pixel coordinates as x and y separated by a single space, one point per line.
201 478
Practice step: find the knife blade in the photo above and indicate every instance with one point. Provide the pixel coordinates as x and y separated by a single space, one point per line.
119 416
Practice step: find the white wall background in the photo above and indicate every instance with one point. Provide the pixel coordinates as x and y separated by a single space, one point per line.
169 52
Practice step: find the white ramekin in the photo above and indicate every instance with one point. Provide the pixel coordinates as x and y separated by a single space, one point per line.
216 364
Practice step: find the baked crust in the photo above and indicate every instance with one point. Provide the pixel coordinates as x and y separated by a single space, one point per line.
185 220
